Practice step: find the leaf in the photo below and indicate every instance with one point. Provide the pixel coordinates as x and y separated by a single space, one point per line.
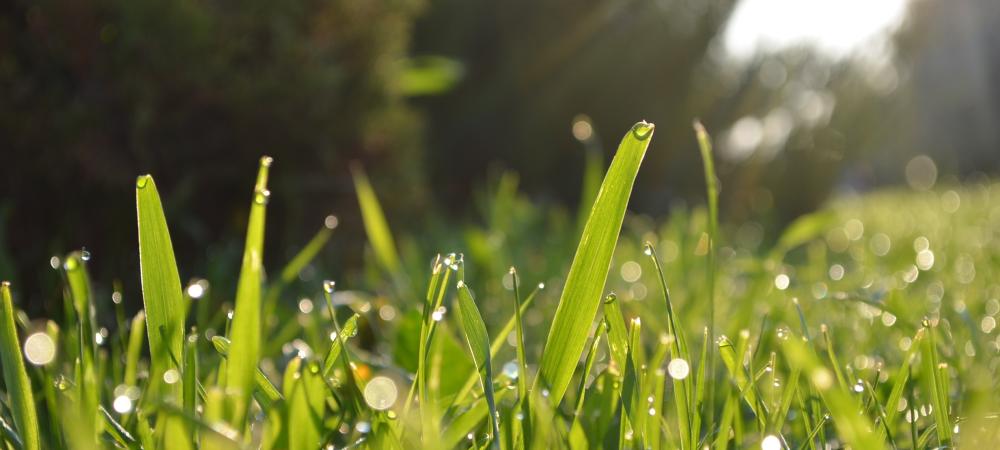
246 328
264 391
376 226
21 398
305 405
479 344
161 284
581 295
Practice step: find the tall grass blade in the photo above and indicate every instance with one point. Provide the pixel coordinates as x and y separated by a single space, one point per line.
246 328
479 344
375 224
19 393
712 192
581 295
161 284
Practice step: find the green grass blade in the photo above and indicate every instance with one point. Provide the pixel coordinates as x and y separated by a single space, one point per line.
935 375
264 391
134 349
479 344
349 330
853 428
246 328
899 380
498 342
161 283
377 228
712 192
19 393
305 405
299 262
88 387
581 295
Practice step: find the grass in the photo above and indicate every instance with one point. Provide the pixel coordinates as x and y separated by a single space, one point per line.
869 324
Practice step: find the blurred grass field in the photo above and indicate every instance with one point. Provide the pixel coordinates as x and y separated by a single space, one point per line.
868 324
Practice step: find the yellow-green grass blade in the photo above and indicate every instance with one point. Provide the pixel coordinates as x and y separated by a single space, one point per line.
298 263
349 330
305 391
161 284
134 349
264 391
241 366
581 294
712 192
87 385
377 228
498 342
19 393
852 427
935 375
479 345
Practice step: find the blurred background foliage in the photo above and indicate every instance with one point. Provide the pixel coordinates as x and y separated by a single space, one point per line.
438 99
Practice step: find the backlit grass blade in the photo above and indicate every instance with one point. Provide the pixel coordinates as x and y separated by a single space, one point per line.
899 380
134 349
246 328
264 391
479 344
19 393
349 329
161 283
375 224
935 375
712 192
305 405
581 295
291 270
855 429
498 342
87 379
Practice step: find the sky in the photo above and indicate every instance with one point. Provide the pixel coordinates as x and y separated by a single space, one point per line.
836 27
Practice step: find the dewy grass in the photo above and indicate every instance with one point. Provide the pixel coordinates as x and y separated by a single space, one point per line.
893 296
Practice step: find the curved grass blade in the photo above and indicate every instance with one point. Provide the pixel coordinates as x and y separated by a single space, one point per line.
298 263
242 365
305 405
375 224
264 391
479 344
581 295
88 389
712 191
161 284
22 400
853 428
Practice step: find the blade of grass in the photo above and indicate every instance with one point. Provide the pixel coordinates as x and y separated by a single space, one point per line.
161 284
264 391
479 345
299 262
935 374
712 192
19 393
246 328
853 428
375 224
581 295
87 384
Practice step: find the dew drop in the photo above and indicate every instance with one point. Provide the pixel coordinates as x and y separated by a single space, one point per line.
261 196
266 161
329 286
141 181
84 254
